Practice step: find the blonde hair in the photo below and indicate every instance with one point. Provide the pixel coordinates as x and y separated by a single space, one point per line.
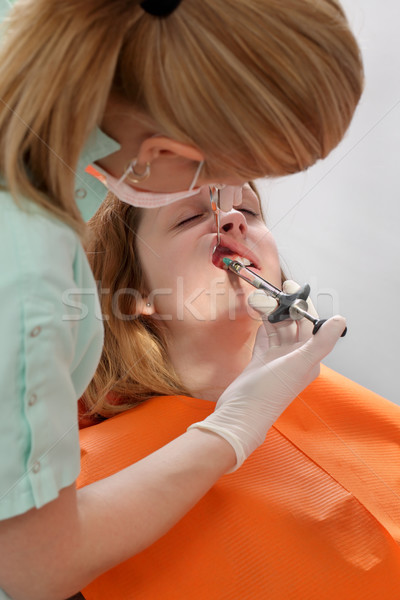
262 87
134 365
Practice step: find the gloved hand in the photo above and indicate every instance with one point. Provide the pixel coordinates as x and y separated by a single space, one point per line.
285 360
230 197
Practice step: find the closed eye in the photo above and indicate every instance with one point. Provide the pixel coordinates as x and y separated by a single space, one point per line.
252 213
189 219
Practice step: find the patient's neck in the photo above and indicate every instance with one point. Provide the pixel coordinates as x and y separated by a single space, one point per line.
208 357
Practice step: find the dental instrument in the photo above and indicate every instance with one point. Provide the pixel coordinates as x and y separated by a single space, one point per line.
290 306
215 199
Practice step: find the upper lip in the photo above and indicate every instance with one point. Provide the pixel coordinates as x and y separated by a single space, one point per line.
237 248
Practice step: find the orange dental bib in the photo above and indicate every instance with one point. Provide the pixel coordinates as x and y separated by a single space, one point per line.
313 514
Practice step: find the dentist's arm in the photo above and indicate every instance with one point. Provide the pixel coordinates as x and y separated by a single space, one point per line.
53 552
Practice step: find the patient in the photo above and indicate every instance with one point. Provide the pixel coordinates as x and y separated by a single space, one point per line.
314 513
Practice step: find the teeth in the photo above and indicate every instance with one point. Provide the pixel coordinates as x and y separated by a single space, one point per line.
238 258
245 261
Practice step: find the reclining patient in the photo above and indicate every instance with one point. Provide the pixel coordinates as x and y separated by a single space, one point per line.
314 513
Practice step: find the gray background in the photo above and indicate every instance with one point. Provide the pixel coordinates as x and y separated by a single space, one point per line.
337 225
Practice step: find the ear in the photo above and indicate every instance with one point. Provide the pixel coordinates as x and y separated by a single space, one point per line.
145 307
159 145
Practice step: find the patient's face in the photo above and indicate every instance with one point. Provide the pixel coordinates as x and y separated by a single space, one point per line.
186 281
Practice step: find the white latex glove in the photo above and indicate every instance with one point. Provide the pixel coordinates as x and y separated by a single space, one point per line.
285 360
230 197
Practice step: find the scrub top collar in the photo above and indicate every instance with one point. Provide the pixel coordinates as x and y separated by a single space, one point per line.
89 191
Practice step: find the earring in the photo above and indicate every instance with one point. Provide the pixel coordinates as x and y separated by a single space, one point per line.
148 303
135 177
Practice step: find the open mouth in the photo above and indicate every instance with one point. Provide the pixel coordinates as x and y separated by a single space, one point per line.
236 251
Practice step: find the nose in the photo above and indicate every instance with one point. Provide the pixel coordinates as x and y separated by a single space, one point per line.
234 223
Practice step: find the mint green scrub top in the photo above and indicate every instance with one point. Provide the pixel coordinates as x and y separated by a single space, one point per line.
50 343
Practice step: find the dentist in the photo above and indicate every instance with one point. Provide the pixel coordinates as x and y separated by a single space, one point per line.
163 98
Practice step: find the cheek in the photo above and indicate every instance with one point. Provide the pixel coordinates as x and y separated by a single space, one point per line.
156 258
152 265
169 281
270 259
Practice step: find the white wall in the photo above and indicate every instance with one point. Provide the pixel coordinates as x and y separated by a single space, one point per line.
338 225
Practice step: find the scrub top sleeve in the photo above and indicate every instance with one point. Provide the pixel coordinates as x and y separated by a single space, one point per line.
39 445
5 7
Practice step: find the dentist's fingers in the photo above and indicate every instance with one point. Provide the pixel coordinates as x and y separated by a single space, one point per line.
262 303
321 344
305 327
287 332
260 348
226 203
290 287
230 197
279 334
265 305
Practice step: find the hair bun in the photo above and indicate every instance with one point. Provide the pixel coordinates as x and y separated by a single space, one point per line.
160 8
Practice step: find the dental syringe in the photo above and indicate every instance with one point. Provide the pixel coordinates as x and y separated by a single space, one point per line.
290 306
255 280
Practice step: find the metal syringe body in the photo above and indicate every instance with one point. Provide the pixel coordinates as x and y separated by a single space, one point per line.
258 282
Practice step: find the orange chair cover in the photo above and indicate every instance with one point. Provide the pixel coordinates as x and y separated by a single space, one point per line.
313 514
